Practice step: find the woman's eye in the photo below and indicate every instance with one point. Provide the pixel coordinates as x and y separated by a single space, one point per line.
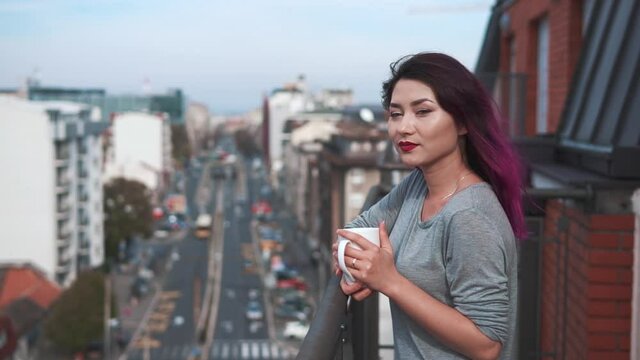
423 112
395 115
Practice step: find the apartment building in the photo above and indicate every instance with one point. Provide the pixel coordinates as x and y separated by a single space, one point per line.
140 149
54 151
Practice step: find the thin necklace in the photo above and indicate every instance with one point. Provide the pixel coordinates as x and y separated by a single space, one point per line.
457 186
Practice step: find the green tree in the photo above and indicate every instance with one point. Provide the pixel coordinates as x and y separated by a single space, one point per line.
127 212
77 317
180 145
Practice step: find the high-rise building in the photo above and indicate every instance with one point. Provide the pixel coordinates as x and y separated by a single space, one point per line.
53 213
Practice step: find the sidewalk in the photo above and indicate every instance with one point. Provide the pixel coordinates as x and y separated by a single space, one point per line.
131 311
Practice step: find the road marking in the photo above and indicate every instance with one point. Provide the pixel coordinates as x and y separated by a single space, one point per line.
170 295
255 350
274 351
225 351
265 350
245 350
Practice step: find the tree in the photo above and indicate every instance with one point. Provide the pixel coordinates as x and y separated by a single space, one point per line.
246 143
127 213
180 144
77 317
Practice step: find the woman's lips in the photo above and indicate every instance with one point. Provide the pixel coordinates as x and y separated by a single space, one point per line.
406 146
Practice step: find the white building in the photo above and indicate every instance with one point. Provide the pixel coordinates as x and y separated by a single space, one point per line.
283 103
140 149
52 189
335 98
197 124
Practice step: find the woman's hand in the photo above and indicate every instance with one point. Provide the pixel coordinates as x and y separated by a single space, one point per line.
356 290
373 268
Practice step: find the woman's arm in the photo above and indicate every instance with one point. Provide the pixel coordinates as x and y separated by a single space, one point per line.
442 321
480 297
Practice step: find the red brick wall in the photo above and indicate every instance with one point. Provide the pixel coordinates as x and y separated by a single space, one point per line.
590 317
565 37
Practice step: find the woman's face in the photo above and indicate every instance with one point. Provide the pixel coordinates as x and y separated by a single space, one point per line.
423 133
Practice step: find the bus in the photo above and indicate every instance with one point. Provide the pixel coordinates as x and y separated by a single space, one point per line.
203 226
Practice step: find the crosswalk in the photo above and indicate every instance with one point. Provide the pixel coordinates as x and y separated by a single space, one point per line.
219 350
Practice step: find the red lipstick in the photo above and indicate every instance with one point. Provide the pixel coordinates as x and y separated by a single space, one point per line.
406 146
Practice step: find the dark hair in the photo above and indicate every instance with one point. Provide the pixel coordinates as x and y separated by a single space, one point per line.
488 150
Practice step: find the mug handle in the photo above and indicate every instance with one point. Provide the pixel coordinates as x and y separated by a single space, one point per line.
342 246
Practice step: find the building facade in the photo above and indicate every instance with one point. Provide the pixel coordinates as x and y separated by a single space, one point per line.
140 149
56 151
561 71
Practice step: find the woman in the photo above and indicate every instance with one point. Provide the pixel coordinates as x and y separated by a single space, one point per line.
448 258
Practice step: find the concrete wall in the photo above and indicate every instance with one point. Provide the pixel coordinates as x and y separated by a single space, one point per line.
27 188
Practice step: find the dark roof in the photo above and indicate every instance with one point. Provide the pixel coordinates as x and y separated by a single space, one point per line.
64 91
24 314
600 125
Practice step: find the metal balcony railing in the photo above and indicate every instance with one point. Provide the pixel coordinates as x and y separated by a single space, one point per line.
343 328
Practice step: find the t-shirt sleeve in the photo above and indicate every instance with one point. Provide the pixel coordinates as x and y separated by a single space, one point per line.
476 270
387 208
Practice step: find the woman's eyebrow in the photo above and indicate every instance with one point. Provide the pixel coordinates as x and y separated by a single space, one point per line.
420 101
413 103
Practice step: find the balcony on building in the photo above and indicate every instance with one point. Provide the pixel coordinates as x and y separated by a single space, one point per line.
84 245
64 262
62 155
62 184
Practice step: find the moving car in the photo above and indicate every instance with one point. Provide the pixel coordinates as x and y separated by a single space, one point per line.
254 311
203 226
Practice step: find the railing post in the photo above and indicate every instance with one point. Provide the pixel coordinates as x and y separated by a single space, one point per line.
364 328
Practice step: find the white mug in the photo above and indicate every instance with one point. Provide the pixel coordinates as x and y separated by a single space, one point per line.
371 234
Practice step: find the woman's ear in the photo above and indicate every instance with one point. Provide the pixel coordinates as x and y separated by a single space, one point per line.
462 130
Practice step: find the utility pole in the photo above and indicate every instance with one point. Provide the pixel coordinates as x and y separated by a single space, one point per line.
107 313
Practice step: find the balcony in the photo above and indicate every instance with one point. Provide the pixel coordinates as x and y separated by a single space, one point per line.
62 163
62 184
64 263
63 241
64 233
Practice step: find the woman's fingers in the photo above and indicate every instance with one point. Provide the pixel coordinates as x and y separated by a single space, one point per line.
362 294
357 239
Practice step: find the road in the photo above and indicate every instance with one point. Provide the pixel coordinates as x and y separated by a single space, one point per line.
169 330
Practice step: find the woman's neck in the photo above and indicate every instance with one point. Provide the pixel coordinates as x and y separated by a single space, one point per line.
444 178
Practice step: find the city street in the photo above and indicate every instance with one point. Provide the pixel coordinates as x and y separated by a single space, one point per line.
233 318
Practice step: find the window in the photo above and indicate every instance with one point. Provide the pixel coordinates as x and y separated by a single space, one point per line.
542 99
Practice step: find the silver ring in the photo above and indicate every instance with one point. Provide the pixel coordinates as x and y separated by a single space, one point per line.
353 263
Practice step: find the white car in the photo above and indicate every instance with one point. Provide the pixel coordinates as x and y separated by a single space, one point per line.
295 330
254 311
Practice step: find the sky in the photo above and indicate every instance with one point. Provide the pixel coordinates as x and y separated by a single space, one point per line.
229 54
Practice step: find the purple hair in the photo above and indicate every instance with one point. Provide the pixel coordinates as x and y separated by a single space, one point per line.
488 150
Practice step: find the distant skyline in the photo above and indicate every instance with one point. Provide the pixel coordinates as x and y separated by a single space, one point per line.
227 55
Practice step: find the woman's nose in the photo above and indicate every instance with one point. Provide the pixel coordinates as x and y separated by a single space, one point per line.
406 125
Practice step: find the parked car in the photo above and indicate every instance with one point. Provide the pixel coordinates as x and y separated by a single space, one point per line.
140 287
254 311
297 283
295 330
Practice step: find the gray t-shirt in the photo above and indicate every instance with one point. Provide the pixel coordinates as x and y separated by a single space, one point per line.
465 256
